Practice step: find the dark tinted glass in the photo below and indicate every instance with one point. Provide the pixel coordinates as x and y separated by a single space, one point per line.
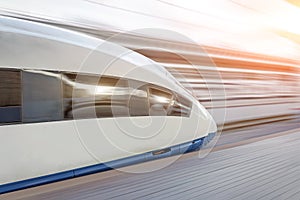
42 96
10 96
164 102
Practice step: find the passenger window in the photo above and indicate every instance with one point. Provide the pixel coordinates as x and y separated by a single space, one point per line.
91 96
42 96
159 101
10 96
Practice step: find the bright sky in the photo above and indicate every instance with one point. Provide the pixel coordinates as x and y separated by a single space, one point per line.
268 27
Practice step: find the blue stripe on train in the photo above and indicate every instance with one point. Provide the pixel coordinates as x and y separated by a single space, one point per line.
170 151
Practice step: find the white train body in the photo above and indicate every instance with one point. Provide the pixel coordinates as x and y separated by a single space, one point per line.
70 102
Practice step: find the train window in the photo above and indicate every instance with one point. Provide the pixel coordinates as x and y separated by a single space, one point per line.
138 103
36 96
42 96
180 106
91 96
159 101
10 96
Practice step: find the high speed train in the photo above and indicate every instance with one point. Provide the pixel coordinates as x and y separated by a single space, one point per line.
72 104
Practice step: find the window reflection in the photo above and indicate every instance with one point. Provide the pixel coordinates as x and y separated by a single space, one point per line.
159 101
180 106
138 103
37 95
87 96
164 102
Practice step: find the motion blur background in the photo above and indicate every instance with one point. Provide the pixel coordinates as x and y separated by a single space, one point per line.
240 58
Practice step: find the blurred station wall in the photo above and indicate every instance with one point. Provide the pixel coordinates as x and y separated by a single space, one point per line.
243 66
